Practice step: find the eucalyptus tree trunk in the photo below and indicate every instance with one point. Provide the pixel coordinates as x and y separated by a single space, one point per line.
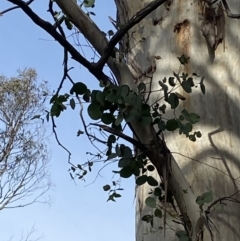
212 162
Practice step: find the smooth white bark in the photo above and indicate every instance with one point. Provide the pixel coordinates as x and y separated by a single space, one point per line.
219 108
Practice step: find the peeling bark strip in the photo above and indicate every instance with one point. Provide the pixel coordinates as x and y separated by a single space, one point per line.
213 27
183 36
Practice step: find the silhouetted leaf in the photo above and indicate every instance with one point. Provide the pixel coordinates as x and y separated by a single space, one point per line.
141 180
124 162
72 103
152 181
107 118
126 172
158 213
94 111
173 100
172 125
207 197
106 187
79 88
150 202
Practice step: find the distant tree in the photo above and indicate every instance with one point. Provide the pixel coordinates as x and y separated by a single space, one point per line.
27 236
24 156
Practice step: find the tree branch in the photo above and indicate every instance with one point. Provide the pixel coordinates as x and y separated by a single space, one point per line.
123 30
49 28
16 7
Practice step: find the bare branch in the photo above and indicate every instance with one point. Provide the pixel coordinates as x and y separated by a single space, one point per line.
49 28
228 11
23 154
28 235
13 8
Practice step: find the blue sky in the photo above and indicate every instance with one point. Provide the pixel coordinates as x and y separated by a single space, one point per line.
77 212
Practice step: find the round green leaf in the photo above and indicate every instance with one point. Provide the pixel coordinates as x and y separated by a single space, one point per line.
94 111
113 95
157 192
173 100
193 118
186 128
127 153
186 85
172 125
100 97
94 95
107 118
150 168
79 88
181 117
126 172
147 218
207 197
136 170
158 213
141 180
141 87
124 162
171 81
106 187
199 200
190 81
150 202
152 181
198 134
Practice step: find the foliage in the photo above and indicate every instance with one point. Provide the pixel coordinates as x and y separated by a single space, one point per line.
24 154
115 105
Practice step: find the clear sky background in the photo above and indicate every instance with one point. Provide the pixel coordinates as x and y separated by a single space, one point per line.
78 213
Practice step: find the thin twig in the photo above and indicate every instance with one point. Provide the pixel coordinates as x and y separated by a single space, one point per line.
16 7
